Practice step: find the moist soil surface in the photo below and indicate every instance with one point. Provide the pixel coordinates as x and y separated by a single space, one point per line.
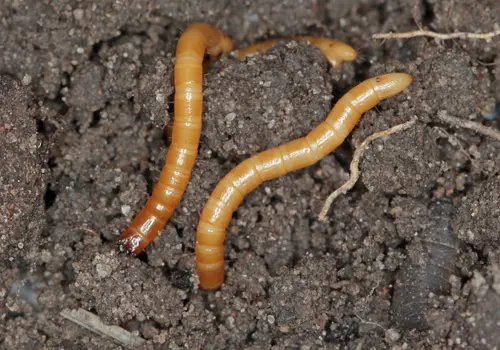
86 90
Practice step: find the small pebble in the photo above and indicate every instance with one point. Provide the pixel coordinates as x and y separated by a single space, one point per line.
230 117
284 329
392 335
78 14
160 96
26 79
493 113
162 338
103 270
270 319
125 209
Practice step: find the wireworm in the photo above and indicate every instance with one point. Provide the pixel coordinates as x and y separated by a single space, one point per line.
335 51
186 130
278 161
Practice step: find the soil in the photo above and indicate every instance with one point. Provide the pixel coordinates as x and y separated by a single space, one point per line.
85 93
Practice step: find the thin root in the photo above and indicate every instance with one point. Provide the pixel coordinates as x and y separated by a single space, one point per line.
370 322
441 36
355 173
354 167
467 124
94 323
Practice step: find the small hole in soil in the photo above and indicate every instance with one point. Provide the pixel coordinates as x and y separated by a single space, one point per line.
143 256
96 118
49 197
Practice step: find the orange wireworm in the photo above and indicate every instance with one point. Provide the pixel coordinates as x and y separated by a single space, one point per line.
278 161
186 130
335 51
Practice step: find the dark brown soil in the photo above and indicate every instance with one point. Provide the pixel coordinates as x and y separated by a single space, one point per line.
85 91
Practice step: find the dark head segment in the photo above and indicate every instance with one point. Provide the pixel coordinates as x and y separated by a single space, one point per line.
388 85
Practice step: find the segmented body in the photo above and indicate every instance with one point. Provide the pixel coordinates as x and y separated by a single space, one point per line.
278 161
335 51
186 130
416 282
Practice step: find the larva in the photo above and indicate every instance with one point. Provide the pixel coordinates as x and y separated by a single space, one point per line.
186 130
278 161
414 283
335 51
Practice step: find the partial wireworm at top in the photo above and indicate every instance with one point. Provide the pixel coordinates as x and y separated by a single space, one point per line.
278 161
335 51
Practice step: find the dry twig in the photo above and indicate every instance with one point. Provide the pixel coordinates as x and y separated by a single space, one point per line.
416 7
93 323
355 173
354 167
467 124
441 36
370 322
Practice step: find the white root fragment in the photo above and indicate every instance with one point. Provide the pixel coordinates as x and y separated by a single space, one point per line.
93 323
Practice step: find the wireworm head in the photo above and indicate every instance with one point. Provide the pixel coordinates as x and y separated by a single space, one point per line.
388 85
222 44
225 44
336 51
